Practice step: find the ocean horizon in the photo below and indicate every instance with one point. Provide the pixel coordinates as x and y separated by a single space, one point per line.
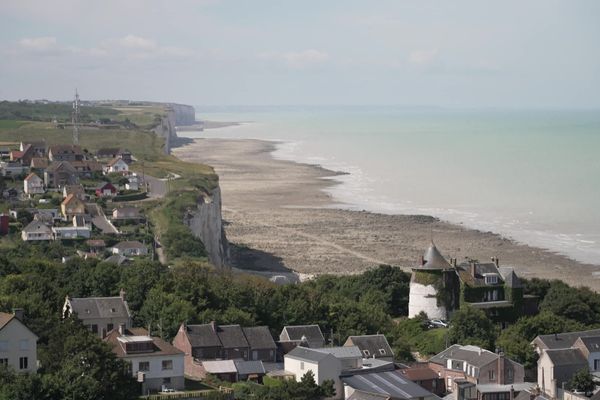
529 175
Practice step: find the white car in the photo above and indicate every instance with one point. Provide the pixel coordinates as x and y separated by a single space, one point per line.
437 323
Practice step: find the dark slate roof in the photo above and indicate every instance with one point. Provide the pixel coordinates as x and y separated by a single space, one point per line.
565 357
131 244
564 340
65 149
231 336
390 383
203 336
434 259
465 275
37 226
592 343
360 395
249 367
304 353
510 278
372 343
259 337
60 165
312 333
473 355
100 307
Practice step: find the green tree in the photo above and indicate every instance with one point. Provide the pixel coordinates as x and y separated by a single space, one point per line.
582 381
471 326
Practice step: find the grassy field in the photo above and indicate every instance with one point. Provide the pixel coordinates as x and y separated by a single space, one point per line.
146 147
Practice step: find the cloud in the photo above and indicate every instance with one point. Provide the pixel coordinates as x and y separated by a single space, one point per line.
297 59
422 57
137 42
39 43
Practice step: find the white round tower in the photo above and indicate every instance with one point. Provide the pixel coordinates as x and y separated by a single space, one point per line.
426 281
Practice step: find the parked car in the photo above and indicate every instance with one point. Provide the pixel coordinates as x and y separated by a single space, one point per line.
437 323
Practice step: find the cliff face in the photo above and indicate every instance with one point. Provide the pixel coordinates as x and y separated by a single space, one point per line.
206 224
184 114
176 115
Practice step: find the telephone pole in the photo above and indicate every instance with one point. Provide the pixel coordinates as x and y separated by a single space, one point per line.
75 118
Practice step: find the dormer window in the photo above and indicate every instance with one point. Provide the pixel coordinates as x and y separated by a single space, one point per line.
382 352
491 279
113 310
87 311
366 353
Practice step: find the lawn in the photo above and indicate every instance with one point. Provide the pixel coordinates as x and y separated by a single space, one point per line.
10 124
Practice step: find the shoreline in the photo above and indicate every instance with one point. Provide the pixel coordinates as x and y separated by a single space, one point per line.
281 208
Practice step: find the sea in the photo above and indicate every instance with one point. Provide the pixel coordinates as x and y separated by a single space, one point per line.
530 175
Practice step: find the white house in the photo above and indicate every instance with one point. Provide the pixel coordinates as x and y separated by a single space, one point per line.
130 248
157 363
134 182
71 232
33 184
116 165
18 345
36 230
324 366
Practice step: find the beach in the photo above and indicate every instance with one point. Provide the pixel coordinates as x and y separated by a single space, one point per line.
279 218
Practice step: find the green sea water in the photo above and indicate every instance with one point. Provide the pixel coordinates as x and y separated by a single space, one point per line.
531 175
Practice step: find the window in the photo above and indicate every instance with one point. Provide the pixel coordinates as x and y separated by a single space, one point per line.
23 344
167 364
94 328
144 366
23 363
166 381
302 365
3 345
382 352
367 353
596 365
492 374
510 374
491 279
109 327
3 361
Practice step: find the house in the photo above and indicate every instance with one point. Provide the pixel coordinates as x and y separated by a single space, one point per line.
390 385
4 152
36 230
106 189
33 184
155 362
60 173
476 365
501 392
324 366
307 335
65 152
424 376
38 149
18 344
76 190
590 348
563 340
48 215
72 206
130 248
133 182
100 314
116 165
96 245
250 370
234 370
86 168
487 286
116 259
71 232
126 212
213 342
12 168
111 153
39 164
26 153
375 346
350 357
557 366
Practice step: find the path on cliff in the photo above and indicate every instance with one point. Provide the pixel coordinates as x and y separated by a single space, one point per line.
99 219
156 187
316 239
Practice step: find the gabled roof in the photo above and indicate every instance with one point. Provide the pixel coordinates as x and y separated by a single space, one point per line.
39 162
37 227
70 199
510 277
433 259
341 352
566 357
259 337
116 259
114 161
161 348
481 269
130 244
6 318
105 185
390 383
374 344
476 356
219 366
60 165
231 336
100 307
307 354
32 176
563 340
65 149
202 336
249 367
591 343
312 333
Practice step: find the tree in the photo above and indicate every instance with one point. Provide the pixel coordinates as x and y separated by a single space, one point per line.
582 381
471 326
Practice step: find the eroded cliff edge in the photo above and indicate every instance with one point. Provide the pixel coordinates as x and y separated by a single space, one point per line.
206 224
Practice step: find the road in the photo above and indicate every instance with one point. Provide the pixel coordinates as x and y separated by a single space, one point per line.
156 187
99 219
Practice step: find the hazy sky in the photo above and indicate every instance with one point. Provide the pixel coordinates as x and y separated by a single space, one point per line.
539 53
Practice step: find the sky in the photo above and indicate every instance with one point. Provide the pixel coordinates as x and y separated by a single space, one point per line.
461 53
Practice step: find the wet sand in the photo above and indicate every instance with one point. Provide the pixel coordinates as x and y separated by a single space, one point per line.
278 217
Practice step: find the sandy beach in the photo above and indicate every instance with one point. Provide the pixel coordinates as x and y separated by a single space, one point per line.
279 218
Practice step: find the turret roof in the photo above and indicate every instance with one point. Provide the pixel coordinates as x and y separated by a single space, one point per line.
434 259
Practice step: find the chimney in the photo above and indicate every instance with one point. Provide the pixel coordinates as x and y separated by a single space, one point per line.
497 261
121 329
500 373
19 313
473 269
122 294
213 325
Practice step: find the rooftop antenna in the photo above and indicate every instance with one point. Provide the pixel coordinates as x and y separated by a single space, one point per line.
75 118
